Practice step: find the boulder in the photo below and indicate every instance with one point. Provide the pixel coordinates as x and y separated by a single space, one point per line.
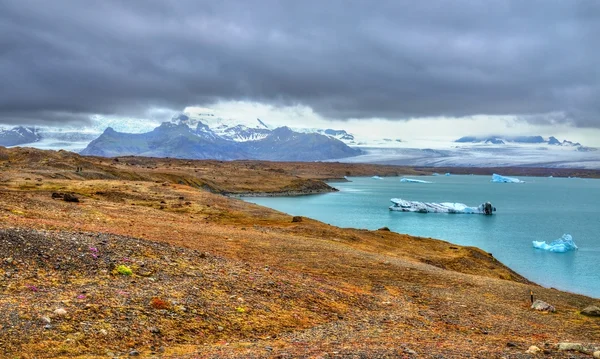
573 347
591 311
533 350
70 198
385 229
296 219
542 306
597 354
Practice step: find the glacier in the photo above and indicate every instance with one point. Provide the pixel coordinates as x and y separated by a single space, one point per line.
501 179
402 205
561 245
411 180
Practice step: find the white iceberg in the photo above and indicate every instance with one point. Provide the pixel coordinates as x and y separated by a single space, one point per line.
501 179
376 177
561 245
402 205
447 174
411 180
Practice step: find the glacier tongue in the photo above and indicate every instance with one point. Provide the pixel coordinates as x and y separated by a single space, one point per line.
502 179
561 245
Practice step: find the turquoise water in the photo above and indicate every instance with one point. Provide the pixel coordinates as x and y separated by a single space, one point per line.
540 209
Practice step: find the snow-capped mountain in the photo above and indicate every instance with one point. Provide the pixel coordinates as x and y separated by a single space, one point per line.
178 140
18 135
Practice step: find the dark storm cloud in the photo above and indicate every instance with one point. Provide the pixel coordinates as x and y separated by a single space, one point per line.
63 60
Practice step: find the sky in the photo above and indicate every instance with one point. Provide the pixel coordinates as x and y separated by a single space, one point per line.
403 69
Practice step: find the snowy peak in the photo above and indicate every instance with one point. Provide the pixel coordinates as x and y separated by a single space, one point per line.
18 136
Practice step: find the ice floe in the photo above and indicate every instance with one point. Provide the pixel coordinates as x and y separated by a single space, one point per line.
561 245
411 180
376 177
502 179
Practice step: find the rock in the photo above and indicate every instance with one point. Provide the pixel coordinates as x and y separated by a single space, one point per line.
597 354
575 347
542 306
70 198
296 219
592 311
46 320
60 311
220 328
533 350
134 353
385 229
58 195
47 326
154 330
511 345
410 351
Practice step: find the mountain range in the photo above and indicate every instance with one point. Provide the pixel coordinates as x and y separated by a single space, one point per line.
179 140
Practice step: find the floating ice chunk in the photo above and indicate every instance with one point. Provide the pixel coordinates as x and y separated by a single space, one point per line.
376 177
561 245
411 180
435 174
501 179
402 205
447 174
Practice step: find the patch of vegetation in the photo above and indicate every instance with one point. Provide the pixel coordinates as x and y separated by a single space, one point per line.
124 270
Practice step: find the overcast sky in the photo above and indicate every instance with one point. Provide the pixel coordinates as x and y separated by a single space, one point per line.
505 63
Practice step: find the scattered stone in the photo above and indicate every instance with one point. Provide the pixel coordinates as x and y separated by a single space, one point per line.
8 260
542 306
410 351
46 320
511 345
134 353
60 311
591 311
220 328
574 347
296 219
597 354
154 330
47 326
533 350
103 332
385 229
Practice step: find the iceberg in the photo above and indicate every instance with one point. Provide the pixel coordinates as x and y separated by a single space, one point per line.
501 179
402 205
410 180
376 177
447 174
561 245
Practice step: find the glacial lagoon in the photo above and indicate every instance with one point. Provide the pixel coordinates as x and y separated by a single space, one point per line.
541 209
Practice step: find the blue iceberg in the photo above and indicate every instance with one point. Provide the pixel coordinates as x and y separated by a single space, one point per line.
376 177
411 180
501 179
561 245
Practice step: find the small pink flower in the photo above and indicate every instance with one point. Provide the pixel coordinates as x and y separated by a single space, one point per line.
32 287
81 296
